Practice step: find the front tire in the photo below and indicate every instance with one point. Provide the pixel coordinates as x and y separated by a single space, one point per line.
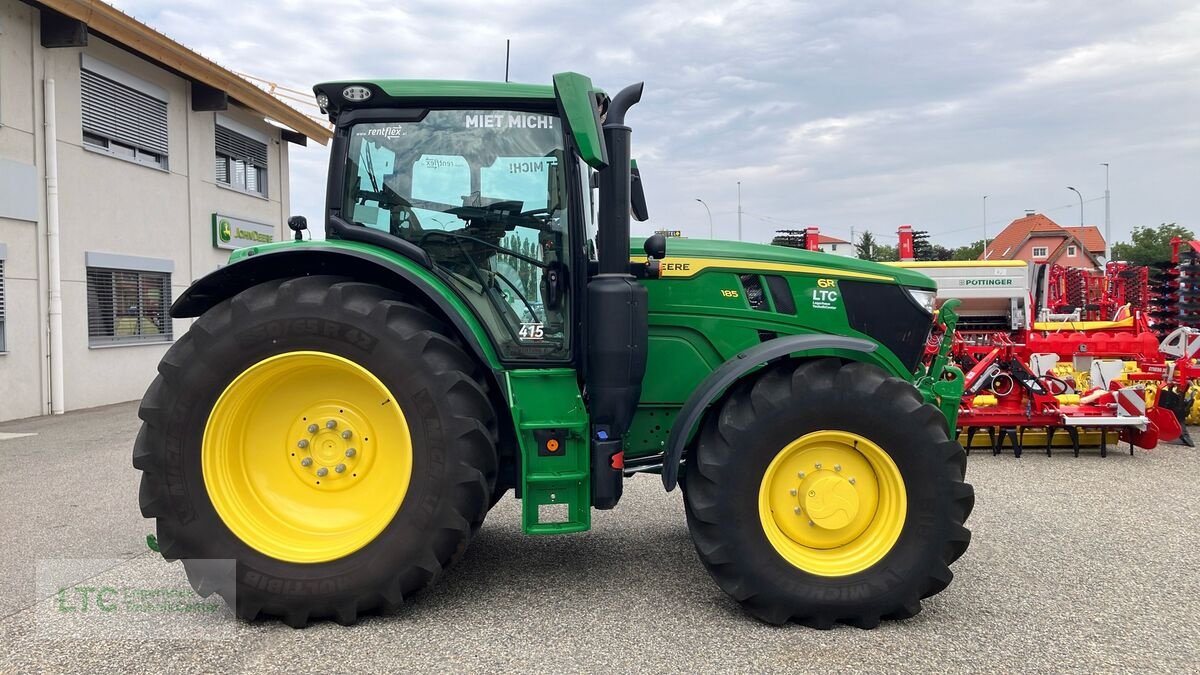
826 492
335 441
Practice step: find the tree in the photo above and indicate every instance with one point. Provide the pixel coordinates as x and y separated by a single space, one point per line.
867 247
1150 244
885 253
969 252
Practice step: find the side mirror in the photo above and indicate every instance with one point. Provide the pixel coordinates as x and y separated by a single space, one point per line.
655 247
298 225
637 196
580 112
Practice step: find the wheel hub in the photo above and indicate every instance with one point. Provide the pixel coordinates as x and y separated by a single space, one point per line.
329 448
831 502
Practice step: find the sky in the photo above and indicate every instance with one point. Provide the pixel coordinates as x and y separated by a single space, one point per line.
851 116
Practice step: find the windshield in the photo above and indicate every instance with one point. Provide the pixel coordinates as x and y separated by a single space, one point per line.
483 193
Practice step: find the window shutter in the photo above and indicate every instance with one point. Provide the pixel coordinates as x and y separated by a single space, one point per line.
237 146
123 114
128 306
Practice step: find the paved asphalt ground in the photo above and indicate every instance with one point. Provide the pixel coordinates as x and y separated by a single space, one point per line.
1084 564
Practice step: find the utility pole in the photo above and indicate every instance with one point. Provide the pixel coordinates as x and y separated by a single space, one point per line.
739 210
1107 217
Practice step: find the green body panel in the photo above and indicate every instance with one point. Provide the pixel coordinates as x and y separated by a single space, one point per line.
698 322
386 257
555 484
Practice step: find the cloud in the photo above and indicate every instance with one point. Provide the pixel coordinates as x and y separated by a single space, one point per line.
846 115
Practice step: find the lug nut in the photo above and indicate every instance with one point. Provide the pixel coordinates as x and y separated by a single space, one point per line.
852 481
818 465
339 468
346 434
331 424
307 461
312 428
302 444
796 510
795 492
811 524
350 452
322 471
837 467
800 475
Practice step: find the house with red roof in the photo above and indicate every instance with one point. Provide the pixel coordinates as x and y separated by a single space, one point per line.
836 246
1036 238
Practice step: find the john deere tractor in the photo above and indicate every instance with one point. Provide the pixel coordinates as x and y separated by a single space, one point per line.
342 413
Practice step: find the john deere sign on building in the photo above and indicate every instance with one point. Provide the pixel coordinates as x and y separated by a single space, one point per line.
230 232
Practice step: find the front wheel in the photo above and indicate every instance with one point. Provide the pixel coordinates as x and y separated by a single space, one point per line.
827 492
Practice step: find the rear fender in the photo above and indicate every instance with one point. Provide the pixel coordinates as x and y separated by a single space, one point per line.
350 259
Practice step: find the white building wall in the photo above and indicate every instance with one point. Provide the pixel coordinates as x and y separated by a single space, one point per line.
846 250
107 205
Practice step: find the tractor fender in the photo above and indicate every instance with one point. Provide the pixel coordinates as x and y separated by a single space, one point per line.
733 370
329 257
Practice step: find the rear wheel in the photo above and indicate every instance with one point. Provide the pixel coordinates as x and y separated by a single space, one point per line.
854 490
329 437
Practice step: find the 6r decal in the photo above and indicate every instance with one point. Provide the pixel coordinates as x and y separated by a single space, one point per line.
826 296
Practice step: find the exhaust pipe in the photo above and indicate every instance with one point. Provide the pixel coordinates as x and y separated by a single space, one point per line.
618 320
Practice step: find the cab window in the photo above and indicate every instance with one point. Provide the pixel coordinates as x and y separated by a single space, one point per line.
483 192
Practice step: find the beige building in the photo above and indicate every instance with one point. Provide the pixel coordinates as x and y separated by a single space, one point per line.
129 166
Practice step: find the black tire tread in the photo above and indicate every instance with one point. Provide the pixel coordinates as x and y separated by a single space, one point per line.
472 451
715 455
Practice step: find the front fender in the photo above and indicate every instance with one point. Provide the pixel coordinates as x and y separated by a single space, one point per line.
258 264
734 369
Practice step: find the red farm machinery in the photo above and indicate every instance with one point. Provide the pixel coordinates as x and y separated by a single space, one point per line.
1059 357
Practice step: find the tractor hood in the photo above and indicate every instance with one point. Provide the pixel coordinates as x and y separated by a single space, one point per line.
771 256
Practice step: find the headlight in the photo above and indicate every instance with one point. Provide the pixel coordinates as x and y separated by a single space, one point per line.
323 102
925 299
356 93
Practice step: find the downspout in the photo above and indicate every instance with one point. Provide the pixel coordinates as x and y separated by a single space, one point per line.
54 268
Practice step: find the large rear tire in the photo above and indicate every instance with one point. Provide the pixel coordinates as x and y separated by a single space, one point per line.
826 492
333 439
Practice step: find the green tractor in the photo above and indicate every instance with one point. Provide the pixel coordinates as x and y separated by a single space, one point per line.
342 414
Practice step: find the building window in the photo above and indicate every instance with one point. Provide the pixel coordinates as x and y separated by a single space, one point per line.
3 311
127 306
241 161
833 247
1072 251
1040 252
123 121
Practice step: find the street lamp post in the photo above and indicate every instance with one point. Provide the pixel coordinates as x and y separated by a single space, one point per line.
710 228
985 223
1107 217
1077 193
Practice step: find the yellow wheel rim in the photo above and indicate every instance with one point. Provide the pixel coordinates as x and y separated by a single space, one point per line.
306 457
832 503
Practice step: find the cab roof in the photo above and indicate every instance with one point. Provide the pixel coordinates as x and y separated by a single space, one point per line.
426 89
